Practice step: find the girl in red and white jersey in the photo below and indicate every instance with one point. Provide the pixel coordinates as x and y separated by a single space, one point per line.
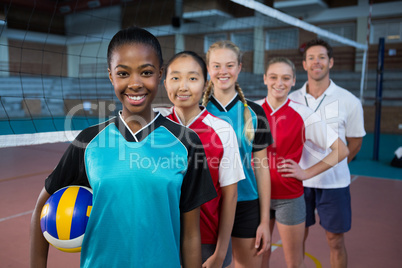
294 128
186 75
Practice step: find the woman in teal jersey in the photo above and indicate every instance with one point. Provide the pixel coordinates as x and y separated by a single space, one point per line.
225 99
147 182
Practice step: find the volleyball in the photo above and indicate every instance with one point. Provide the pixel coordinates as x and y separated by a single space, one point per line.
65 216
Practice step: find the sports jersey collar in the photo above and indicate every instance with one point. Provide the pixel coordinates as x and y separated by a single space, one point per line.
140 134
165 111
226 108
273 111
202 113
329 91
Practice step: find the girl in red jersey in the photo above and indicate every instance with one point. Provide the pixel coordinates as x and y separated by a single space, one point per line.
294 128
185 82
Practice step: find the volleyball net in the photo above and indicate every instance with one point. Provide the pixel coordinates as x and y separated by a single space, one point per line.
53 68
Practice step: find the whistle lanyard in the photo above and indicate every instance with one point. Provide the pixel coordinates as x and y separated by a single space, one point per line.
318 104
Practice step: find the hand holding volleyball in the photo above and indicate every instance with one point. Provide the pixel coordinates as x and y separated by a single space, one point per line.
65 216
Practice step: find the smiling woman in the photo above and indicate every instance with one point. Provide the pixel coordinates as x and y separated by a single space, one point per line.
225 99
290 121
186 75
279 80
104 158
185 83
135 79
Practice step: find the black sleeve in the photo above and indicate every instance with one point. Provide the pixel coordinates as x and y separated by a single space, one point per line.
197 187
263 135
69 171
71 168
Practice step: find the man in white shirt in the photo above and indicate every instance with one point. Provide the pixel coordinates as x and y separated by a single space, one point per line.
329 191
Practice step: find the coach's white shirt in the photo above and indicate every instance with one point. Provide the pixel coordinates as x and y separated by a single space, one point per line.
341 111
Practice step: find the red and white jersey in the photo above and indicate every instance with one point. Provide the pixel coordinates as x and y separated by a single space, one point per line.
294 128
222 151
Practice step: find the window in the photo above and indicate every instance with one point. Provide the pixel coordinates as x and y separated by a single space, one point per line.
390 30
345 30
282 39
244 40
212 38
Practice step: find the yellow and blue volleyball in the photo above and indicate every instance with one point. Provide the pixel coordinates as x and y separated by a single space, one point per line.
65 216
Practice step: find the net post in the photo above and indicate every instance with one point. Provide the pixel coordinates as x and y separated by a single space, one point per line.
378 98
363 76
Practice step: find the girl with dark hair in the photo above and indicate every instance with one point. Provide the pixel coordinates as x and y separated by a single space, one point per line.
147 182
185 82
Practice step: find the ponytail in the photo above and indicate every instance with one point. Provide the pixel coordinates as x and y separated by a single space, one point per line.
248 121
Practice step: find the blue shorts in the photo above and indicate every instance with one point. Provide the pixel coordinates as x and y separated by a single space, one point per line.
333 207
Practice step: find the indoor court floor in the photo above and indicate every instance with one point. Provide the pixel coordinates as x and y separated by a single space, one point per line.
374 241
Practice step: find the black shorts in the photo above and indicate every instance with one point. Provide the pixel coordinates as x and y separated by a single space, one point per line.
247 219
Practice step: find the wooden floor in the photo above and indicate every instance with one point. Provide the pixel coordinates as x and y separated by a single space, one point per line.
375 240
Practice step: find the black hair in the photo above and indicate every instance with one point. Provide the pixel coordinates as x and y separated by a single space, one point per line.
134 35
318 42
195 56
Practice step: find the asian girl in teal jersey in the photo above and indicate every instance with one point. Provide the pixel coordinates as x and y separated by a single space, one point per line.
224 99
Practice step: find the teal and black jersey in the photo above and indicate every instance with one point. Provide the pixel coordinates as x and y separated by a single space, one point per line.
233 114
141 183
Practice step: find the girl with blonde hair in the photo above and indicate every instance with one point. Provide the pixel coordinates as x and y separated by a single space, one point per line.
225 99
